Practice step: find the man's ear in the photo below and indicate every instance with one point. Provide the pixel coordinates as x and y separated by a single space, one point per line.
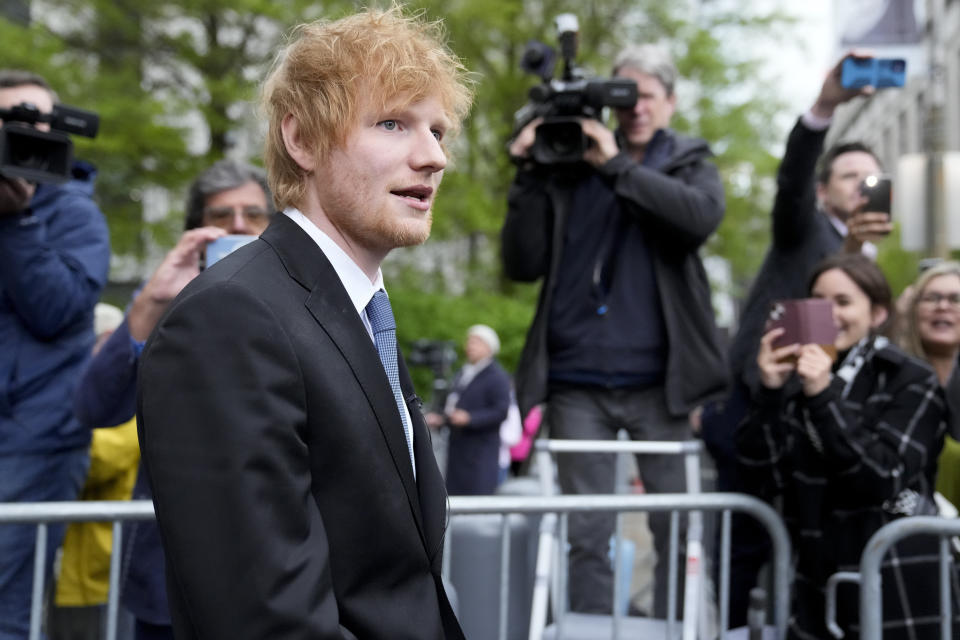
295 145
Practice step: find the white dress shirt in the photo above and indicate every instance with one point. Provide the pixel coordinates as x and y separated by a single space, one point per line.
354 280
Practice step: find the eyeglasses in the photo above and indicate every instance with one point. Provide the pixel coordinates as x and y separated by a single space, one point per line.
222 215
934 299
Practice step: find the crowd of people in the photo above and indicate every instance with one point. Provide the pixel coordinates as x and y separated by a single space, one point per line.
264 406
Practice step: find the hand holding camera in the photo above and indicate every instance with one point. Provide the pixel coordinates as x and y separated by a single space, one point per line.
776 363
559 106
871 221
15 195
833 93
813 367
179 267
799 335
603 145
35 147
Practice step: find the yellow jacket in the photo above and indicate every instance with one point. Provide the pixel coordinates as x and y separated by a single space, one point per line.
85 564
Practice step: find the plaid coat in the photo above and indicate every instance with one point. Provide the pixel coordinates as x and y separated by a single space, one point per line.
845 462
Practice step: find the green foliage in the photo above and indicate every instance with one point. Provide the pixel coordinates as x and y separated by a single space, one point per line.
722 97
148 68
899 265
438 316
135 148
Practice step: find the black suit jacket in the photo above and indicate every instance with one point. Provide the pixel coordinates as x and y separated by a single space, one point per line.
282 483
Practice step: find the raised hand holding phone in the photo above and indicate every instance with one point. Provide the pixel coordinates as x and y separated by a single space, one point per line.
881 73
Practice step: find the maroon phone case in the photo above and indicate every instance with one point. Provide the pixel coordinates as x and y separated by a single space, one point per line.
805 321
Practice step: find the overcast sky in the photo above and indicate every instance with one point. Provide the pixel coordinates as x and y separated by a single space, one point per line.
802 64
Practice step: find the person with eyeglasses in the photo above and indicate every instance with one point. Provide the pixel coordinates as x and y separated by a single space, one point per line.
931 331
230 197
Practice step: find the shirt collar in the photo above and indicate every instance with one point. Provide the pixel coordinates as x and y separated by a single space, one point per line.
354 280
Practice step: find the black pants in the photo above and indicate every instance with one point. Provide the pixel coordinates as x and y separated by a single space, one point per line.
593 413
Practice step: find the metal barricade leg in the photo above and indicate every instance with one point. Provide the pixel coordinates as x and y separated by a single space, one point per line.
39 575
725 572
113 594
504 575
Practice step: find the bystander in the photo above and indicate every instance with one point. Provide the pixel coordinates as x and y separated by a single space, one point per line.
54 257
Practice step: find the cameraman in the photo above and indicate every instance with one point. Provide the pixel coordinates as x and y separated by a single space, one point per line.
624 334
54 256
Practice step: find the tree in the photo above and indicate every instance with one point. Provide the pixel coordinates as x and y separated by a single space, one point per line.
722 98
149 69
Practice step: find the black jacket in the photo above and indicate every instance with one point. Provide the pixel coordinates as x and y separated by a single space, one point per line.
847 461
284 492
679 207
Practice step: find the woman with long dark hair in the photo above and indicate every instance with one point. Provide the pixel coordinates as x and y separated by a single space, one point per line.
850 444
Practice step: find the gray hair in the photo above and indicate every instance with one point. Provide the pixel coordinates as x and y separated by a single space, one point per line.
10 78
650 59
222 176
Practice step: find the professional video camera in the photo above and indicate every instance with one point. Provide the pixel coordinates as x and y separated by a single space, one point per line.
41 156
561 103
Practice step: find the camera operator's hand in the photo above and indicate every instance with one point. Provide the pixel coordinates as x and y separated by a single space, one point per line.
15 195
833 94
604 146
520 147
775 365
178 268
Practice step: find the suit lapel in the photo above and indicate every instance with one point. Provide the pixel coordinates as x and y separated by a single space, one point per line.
431 488
330 305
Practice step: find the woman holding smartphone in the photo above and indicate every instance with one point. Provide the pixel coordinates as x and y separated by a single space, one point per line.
850 444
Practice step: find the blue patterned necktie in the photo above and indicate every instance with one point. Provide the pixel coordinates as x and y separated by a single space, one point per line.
385 335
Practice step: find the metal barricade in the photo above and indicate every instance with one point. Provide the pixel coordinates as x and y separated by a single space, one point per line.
664 502
690 450
871 615
118 512
44 513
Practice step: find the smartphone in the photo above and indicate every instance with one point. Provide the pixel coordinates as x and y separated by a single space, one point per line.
805 321
224 246
856 73
877 191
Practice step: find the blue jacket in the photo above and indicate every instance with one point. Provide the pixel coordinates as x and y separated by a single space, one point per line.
53 265
106 395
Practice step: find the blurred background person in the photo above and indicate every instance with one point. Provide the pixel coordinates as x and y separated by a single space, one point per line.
932 332
230 197
54 258
80 595
850 444
477 405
